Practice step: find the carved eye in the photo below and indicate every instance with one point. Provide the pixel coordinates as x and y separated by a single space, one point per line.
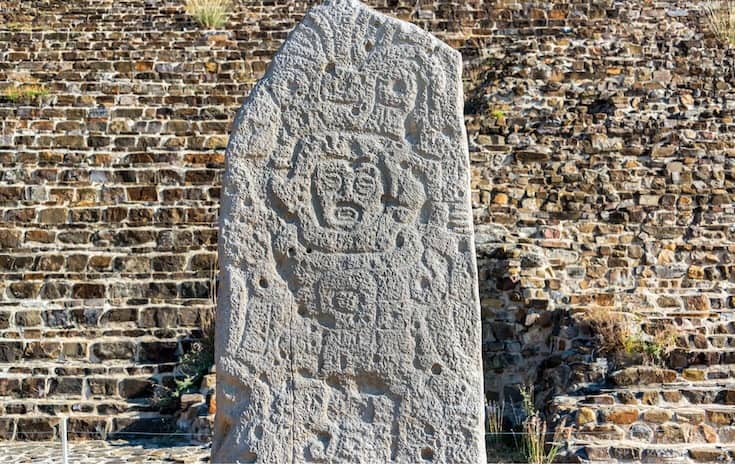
331 181
399 87
364 184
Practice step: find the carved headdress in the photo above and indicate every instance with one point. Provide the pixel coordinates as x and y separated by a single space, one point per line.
332 77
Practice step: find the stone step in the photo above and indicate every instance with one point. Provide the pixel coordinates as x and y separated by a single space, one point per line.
667 394
702 341
713 321
38 427
41 383
53 407
631 451
692 357
137 353
664 423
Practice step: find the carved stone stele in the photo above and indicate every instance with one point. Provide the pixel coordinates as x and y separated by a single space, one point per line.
348 322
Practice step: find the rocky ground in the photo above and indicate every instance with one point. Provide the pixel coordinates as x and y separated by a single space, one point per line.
105 452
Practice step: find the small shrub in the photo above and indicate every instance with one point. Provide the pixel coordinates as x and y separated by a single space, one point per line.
721 20
619 337
613 331
664 343
165 399
209 13
656 348
191 369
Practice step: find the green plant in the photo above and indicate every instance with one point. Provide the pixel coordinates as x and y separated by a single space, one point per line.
497 114
165 399
192 367
209 13
721 19
198 360
654 349
663 343
25 92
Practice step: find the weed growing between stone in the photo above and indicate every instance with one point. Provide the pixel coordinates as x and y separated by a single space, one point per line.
193 366
654 349
619 337
209 13
25 92
611 330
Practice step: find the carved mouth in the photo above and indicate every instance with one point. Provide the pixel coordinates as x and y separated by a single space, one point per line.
346 214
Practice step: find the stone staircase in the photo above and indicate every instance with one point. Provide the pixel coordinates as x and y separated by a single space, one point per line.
681 412
101 401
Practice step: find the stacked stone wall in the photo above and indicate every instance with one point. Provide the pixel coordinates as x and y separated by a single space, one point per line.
601 144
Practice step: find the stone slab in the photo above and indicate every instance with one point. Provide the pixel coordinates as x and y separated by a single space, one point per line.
348 325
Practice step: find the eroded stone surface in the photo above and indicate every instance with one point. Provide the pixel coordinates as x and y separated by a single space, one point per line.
348 325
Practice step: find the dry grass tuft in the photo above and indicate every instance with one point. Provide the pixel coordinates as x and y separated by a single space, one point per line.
209 13
613 330
495 414
536 448
534 443
721 20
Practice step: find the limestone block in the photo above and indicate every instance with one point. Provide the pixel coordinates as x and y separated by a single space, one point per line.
348 326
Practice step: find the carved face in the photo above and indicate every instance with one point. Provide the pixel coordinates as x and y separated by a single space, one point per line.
348 194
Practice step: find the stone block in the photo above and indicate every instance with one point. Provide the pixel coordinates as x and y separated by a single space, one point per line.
113 350
87 428
7 428
87 291
640 432
102 386
727 434
621 415
672 433
708 455
132 388
657 416
37 428
702 433
690 416
158 352
642 376
586 416
721 417
10 351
